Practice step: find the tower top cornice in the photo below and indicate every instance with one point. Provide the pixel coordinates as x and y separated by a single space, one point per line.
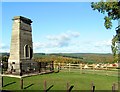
26 20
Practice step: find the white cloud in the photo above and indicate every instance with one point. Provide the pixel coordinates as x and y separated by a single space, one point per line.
60 40
38 45
103 43
102 46
64 36
63 39
56 42
75 46
4 47
66 42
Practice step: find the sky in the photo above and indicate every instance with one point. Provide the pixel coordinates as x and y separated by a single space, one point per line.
59 27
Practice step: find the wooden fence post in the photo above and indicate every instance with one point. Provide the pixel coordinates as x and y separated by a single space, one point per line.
93 90
39 67
69 67
21 83
81 68
67 87
113 87
2 81
94 68
93 87
106 69
45 86
59 66
54 66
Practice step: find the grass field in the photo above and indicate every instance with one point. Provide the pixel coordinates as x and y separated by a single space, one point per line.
58 81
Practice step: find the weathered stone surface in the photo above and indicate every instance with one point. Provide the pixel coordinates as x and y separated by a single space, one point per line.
21 50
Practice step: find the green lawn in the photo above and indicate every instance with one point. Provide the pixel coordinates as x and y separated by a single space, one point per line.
60 80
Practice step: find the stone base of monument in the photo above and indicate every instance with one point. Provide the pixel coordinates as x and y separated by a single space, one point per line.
26 66
29 67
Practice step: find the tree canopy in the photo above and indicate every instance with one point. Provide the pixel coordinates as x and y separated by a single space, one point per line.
111 8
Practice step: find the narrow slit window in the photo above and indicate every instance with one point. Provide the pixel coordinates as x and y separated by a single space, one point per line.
26 51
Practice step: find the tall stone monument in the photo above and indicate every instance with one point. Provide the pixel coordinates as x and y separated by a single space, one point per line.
21 50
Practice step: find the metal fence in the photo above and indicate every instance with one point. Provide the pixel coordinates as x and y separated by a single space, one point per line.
27 68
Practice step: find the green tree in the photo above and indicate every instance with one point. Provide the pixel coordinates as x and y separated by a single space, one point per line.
114 48
111 9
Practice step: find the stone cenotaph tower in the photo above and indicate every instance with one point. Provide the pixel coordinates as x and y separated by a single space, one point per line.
21 50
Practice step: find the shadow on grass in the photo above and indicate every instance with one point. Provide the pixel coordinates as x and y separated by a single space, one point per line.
5 91
28 86
49 88
70 88
9 84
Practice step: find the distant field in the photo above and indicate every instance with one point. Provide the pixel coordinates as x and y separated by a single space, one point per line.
60 80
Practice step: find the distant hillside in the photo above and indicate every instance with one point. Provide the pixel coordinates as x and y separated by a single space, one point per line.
89 57
72 57
81 57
